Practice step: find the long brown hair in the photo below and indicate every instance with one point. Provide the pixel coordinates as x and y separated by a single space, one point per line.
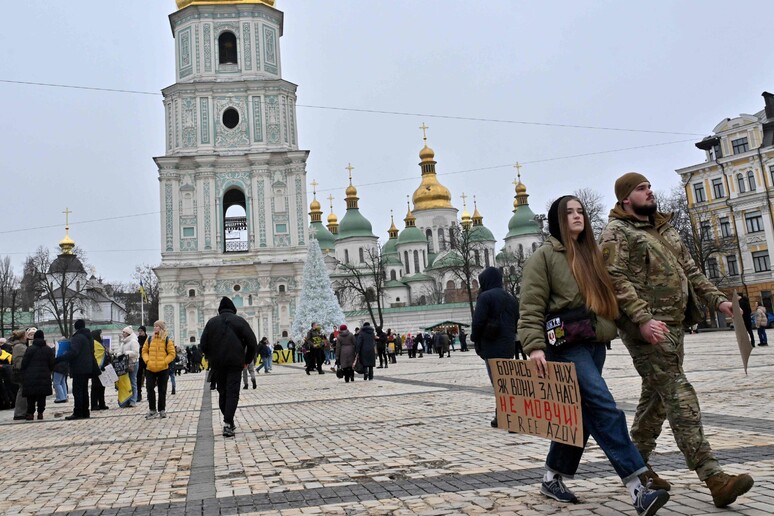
587 265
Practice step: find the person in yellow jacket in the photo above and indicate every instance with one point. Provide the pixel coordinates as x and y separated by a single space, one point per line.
157 353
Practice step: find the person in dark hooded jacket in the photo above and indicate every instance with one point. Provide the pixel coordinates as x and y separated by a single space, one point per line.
365 350
229 344
494 320
83 366
37 364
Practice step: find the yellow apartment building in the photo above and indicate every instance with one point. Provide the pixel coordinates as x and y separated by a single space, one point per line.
730 197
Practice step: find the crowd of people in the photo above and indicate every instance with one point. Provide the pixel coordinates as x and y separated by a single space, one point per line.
638 282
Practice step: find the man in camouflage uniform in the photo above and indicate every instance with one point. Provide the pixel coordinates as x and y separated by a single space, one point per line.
651 270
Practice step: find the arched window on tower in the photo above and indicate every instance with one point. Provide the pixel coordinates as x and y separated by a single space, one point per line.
429 235
361 255
751 180
441 240
227 48
477 257
486 257
235 222
406 263
346 255
416 261
392 275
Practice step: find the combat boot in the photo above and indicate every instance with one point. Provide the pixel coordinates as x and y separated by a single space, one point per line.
656 481
726 488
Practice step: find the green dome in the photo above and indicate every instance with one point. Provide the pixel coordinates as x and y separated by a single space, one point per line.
392 259
448 260
481 234
353 224
324 237
523 223
412 235
391 247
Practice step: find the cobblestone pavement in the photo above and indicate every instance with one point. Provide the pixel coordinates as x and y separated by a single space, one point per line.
416 440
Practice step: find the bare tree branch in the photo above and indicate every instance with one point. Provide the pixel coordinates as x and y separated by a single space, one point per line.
365 281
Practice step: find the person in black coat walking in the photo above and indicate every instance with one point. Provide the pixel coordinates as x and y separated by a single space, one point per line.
365 349
83 365
142 336
494 321
37 364
229 344
381 346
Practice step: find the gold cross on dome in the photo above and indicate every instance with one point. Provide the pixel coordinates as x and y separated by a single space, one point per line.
424 131
67 213
314 184
464 198
518 166
350 168
330 198
408 201
475 206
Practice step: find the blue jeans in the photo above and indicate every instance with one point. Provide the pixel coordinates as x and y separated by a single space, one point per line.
133 379
171 372
601 418
60 386
762 339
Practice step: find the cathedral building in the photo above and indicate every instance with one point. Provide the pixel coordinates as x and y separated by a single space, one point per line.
419 261
232 182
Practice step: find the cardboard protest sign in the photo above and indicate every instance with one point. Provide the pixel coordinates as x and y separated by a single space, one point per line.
108 376
742 337
548 407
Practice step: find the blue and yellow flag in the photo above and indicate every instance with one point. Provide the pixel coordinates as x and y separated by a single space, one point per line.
142 292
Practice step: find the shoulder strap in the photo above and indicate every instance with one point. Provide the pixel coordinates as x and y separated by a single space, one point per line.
653 231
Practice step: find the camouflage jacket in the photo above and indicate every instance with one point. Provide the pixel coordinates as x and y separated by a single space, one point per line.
651 280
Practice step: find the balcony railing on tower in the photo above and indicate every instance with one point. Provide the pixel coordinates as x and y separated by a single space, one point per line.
236 234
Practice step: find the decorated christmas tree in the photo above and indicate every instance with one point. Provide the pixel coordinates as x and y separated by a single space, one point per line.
318 303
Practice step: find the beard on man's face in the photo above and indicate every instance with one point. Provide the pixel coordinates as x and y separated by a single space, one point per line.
645 210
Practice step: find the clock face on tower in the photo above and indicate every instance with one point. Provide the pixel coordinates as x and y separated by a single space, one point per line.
185 3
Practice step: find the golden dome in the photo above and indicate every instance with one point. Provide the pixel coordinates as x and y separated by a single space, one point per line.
426 154
351 191
67 244
332 219
431 194
315 205
185 3
521 188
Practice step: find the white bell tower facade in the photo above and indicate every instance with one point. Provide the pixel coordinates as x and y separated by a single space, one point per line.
232 182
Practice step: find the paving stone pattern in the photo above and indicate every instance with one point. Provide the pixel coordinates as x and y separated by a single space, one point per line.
416 440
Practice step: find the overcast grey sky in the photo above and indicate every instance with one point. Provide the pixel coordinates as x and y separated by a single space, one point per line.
676 67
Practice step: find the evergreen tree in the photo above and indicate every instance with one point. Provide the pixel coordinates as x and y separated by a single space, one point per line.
317 303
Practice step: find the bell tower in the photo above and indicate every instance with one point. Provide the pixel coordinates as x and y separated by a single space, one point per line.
232 182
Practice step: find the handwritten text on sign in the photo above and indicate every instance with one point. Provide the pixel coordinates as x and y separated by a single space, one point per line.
548 407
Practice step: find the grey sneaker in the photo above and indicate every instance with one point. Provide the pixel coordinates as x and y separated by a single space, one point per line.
152 415
162 414
648 500
558 491
228 431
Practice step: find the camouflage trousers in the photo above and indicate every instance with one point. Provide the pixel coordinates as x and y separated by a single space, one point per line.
667 394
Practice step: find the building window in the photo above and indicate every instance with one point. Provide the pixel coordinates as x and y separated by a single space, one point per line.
705 231
732 265
416 261
429 233
761 261
717 188
392 275
477 257
361 255
406 263
712 268
716 152
189 232
751 180
754 222
281 289
346 256
725 227
280 228
740 182
237 288
740 145
235 232
771 173
441 240
486 257
698 190
191 293
227 48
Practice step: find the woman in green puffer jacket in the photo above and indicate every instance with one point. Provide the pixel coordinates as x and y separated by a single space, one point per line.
566 315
